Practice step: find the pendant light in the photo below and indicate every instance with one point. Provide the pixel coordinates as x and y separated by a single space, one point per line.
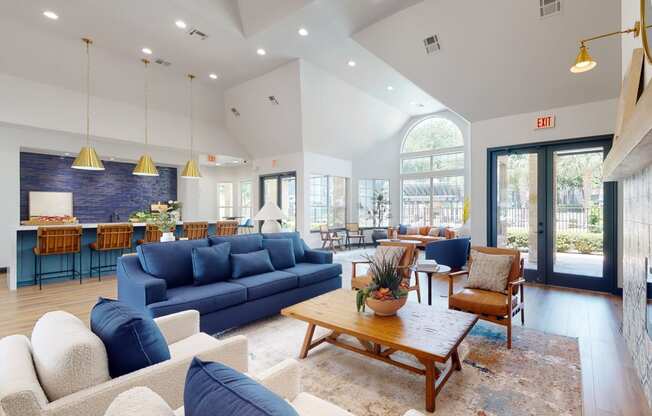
191 171
146 166
87 158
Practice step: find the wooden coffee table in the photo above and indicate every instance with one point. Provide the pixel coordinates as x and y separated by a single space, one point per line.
432 335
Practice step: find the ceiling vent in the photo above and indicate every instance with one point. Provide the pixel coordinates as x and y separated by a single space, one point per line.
198 34
432 44
235 112
549 8
162 62
273 100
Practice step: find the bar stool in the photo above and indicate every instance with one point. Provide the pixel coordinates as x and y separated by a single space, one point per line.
227 227
110 238
195 230
152 235
57 241
246 226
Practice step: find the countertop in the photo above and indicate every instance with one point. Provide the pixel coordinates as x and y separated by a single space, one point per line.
94 225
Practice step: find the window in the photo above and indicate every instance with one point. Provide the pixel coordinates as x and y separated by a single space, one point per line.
225 199
327 201
373 197
245 199
432 174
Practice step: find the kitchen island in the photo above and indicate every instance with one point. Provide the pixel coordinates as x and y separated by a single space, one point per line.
22 272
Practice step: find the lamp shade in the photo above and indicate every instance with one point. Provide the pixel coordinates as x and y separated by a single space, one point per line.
87 160
191 171
584 62
269 211
145 167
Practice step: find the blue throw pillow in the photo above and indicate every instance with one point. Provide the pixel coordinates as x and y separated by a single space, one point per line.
249 264
240 244
132 339
297 243
281 252
402 229
215 389
170 261
211 264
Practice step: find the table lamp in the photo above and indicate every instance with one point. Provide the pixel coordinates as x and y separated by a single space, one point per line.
270 213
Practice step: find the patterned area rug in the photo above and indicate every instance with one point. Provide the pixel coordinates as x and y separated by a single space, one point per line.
541 375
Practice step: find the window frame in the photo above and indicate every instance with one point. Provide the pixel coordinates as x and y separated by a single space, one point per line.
361 209
242 207
431 174
329 205
220 203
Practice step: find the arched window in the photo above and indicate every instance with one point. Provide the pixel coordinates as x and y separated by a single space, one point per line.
432 173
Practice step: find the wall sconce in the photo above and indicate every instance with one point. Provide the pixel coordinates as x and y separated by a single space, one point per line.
584 62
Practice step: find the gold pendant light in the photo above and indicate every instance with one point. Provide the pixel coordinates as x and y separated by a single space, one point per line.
146 166
88 158
191 171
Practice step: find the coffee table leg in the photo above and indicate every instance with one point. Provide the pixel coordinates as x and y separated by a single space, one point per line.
307 340
429 288
431 378
457 365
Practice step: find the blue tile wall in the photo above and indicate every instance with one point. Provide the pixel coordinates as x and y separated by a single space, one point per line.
96 195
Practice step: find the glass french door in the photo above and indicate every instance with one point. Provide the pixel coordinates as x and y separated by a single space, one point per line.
549 202
282 190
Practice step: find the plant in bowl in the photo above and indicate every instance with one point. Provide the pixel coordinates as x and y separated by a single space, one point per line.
166 223
387 292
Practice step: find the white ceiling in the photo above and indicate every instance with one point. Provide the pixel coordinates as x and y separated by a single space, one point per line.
498 57
236 28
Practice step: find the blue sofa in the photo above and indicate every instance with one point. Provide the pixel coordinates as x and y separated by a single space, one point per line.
159 280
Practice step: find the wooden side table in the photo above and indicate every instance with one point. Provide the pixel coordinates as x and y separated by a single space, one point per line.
441 269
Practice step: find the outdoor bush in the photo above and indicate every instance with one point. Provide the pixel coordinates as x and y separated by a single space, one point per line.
585 243
564 242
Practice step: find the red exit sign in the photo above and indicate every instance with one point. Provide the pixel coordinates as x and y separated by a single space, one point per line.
544 122
212 158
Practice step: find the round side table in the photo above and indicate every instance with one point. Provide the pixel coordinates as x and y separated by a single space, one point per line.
441 269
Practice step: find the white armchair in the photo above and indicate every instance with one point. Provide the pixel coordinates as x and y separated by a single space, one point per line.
181 331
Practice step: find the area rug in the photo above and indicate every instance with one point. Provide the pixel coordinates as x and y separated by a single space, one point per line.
540 375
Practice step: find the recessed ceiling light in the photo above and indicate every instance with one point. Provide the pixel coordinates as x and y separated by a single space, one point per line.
261 52
50 15
213 76
352 63
390 88
181 24
147 51
303 31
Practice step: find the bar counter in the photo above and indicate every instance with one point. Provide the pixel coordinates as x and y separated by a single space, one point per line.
26 241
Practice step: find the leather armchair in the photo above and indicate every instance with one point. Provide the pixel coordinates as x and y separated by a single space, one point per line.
496 307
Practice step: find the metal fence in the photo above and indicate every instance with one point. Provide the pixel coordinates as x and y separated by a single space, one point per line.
418 213
568 218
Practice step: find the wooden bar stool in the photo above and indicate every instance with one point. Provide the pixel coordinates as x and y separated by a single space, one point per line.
228 227
110 239
57 241
195 230
152 235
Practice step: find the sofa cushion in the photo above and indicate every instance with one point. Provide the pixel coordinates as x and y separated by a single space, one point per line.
211 264
132 339
308 405
267 284
193 345
208 384
249 264
240 243
309 273
412 230
139 401
402 229
17 373
297 243
281 252
481 302
205 299
170 261
68 356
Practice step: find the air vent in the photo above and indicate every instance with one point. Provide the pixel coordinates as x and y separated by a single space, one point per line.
273 100
235 112
162 62
198 33
432 44
549 8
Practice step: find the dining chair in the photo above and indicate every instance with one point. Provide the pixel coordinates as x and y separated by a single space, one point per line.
329 238
353 232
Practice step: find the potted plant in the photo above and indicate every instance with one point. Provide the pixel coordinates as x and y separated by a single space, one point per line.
166 222
387 292
174 208
379 214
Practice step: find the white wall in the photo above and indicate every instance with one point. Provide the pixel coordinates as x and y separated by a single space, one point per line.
630 13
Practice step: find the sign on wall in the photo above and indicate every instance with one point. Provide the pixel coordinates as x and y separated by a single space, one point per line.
544 122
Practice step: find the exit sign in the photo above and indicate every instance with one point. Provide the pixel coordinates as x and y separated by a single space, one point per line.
212 158
544 122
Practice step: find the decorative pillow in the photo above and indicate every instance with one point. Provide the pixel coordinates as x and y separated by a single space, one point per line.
434 232
389 253
249 264
139 401
17 373
412 231
171 261
281 251
297 243
211 264
402 229
132 339
68 357
213 384
489 271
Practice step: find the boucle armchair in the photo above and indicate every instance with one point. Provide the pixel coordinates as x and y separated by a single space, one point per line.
22 395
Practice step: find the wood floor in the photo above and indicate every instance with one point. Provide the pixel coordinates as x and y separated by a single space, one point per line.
610 384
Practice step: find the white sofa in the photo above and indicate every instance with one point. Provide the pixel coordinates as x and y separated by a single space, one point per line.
284 379
22 395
